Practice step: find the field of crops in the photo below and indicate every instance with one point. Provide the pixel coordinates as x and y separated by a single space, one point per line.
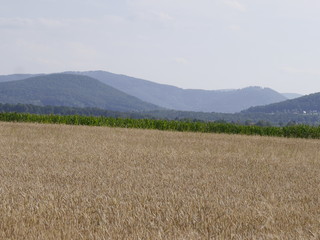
299 131
80 182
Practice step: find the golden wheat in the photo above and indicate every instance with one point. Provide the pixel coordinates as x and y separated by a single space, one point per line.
75 182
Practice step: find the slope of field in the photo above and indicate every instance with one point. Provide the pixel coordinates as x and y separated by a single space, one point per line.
70 90
77 182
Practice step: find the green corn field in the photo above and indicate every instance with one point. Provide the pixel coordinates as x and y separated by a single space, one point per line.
298 131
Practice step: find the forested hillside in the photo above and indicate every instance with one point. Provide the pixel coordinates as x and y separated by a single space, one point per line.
15 77
69 90
309 104
172 97
260 119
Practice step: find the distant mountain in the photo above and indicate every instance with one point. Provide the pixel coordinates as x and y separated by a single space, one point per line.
70 90
292 95
226 101
306 104
15 77
171 97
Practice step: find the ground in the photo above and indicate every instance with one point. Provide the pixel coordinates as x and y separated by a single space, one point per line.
77 182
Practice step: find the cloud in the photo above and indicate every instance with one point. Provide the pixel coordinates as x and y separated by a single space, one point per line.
181 60
81 50
164 16
152 17
236 5
308 71
15 22
29 22
50 22
235 28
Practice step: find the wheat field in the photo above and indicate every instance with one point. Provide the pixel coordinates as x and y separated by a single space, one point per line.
77 182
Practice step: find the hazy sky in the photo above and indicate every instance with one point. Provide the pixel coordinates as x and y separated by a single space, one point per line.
207 44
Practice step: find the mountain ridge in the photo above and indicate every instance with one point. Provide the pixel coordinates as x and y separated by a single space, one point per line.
69 90
309 104
172 97
16 77
176 98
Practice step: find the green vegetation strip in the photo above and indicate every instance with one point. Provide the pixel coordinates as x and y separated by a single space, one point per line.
298 131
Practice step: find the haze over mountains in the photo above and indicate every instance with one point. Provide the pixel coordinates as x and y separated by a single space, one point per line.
69 90
123 93
172 97
292 95
309 104
15 77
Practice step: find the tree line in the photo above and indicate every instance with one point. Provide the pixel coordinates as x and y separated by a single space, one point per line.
295 131
258 119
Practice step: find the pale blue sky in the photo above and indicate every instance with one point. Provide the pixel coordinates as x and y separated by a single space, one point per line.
207 44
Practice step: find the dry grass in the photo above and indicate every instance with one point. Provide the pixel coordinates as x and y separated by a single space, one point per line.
71 182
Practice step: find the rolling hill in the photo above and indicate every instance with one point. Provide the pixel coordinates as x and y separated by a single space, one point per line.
309 104
70 90
292 95
15 77
171 97
225 101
